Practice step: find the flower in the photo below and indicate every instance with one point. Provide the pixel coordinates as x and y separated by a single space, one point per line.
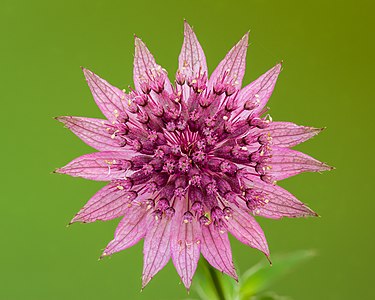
189 162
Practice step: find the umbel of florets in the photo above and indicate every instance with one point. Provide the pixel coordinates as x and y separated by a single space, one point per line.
189 162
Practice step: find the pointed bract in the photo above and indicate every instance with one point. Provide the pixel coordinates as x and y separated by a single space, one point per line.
192 61
129 231
109 99
286 162
145 67
108 203
185 244
245 229
259 91
92 131
216 250
286 134
278 202
156 247
100 166
232 68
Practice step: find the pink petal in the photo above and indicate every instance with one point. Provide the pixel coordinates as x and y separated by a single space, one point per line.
286 134
234 63
192 60
92 131
144 65
185 244
100 166
287 162
245 229
280 204
156 247
129 231
108 203
260 90
108 98
216 250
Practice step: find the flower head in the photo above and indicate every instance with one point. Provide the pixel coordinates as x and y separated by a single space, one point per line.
189 162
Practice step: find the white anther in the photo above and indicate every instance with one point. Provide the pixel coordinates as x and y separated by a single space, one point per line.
225 118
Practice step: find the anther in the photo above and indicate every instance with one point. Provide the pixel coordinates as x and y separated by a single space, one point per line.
258 122
143 117
149 203
230 89
169 212
148 169
265 139
199 156
145 87
203 220
163 204
151 187
187 217
250 105
197 207
219 88
171 126
180 78
181 125
179 192
228 213
158 214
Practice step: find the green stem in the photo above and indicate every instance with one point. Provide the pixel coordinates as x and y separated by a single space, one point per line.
216 281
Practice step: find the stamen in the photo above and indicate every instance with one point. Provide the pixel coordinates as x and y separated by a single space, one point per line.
203 220
228 213
197 207
163 204
169 212
187 217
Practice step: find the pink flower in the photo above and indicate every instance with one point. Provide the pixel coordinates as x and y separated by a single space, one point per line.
189 162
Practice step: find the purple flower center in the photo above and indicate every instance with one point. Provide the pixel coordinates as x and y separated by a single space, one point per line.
202 144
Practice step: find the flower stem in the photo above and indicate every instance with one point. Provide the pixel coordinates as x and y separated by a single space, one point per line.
216 282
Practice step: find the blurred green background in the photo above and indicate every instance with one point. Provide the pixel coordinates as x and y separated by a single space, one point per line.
328 78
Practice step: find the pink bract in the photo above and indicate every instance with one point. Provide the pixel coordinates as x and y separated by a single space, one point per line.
189 162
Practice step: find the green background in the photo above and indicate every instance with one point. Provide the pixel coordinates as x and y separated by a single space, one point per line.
327 48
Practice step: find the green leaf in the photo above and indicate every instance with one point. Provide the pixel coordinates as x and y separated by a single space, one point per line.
210 284
262 275
269 296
